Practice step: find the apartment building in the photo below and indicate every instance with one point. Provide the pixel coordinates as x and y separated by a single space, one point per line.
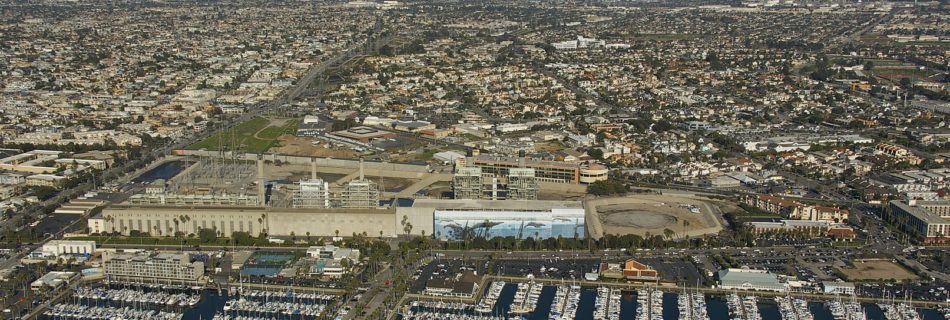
158 267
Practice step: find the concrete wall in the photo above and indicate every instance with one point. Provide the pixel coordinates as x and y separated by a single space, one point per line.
321 162
419 217
278 222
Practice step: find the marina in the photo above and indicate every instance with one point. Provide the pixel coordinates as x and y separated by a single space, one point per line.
78 311
501 300
566 301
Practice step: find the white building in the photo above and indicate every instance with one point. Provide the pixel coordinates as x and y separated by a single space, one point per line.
160 267
56 248
53 280
750 279
844 288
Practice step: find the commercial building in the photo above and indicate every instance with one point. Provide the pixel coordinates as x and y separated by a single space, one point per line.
843 288
545 171
159 267
464 285
633 269
749 279
52 281
328 260
926 219
333 252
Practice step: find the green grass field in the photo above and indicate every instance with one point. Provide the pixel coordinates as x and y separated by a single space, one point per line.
893 73
254 136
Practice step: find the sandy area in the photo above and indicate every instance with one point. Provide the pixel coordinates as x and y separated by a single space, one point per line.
303 146
642 214
877 269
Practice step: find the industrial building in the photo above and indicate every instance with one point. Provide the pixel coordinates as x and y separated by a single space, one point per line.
529 218
360 193
159 267
171 199
313 193
522 184
467 183
56 248
158 220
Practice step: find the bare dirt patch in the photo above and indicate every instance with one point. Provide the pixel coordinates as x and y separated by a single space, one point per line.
303 146
653 214
876 269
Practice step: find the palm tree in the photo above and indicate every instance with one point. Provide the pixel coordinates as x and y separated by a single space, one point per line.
685 224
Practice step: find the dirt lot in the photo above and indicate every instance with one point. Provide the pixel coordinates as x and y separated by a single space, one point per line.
303 146
642 214
877 269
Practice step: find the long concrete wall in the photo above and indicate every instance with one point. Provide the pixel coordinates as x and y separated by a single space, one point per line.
161 220
321 162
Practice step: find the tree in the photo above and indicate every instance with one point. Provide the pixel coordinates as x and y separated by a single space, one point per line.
607 187
668 234
386 50
905 82
206 235
596 153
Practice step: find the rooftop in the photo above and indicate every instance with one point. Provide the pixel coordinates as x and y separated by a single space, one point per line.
467 204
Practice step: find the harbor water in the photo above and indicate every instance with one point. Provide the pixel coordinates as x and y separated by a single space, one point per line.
214 302
715 305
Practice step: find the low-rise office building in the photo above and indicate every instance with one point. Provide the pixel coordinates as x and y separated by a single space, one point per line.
928 220
54 280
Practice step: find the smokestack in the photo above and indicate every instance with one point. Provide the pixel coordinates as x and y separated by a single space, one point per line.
313 169
361 168
260 180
